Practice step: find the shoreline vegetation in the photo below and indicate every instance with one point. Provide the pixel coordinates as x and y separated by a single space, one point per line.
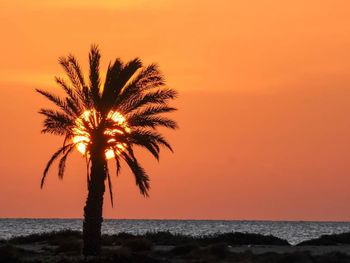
66 247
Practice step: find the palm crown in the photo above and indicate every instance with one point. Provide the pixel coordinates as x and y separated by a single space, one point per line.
125 112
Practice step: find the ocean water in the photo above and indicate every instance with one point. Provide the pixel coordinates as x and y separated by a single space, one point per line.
293 231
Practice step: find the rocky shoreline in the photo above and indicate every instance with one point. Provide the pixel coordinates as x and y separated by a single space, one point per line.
65 247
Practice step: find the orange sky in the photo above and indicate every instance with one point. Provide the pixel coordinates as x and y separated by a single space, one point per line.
264 106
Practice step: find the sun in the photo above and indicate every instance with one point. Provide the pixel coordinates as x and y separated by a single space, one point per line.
90 120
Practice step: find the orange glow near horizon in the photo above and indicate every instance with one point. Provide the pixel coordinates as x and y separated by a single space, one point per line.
82 136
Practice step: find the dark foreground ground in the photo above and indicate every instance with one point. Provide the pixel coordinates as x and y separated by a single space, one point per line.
65 247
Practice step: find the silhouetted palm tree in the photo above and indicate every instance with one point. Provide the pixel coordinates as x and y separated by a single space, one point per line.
107 122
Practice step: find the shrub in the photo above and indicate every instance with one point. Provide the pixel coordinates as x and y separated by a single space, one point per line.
167 238
296 257
9 253
219 250
333 257
238 238
138 244
69 246
118 239
328 240
184 249
49 236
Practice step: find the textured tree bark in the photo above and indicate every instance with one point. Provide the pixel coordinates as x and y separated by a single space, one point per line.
94 203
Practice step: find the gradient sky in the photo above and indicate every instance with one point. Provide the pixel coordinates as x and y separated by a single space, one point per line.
264 108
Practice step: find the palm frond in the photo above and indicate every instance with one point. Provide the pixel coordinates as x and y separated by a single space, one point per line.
152 147
148 78
72 69
160 97
67 137
71 73
89 102
73 106
126 74
143 136
72 95
141 178
117 77
57 100
54 127
62 163
117 163
77 69
94 62
112 76
56 122
151 122
151 110
52 159
109 185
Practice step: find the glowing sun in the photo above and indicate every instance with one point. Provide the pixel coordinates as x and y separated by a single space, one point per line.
91 120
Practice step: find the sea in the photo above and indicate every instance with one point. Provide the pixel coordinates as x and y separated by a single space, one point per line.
292 231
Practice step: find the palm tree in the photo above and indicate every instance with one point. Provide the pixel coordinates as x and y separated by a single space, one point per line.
107 122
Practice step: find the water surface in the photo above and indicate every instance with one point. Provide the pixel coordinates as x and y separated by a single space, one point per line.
293 231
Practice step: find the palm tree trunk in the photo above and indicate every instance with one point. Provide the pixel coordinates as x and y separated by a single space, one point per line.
94 203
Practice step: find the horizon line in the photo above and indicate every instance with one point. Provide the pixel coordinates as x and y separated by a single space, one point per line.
181 219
